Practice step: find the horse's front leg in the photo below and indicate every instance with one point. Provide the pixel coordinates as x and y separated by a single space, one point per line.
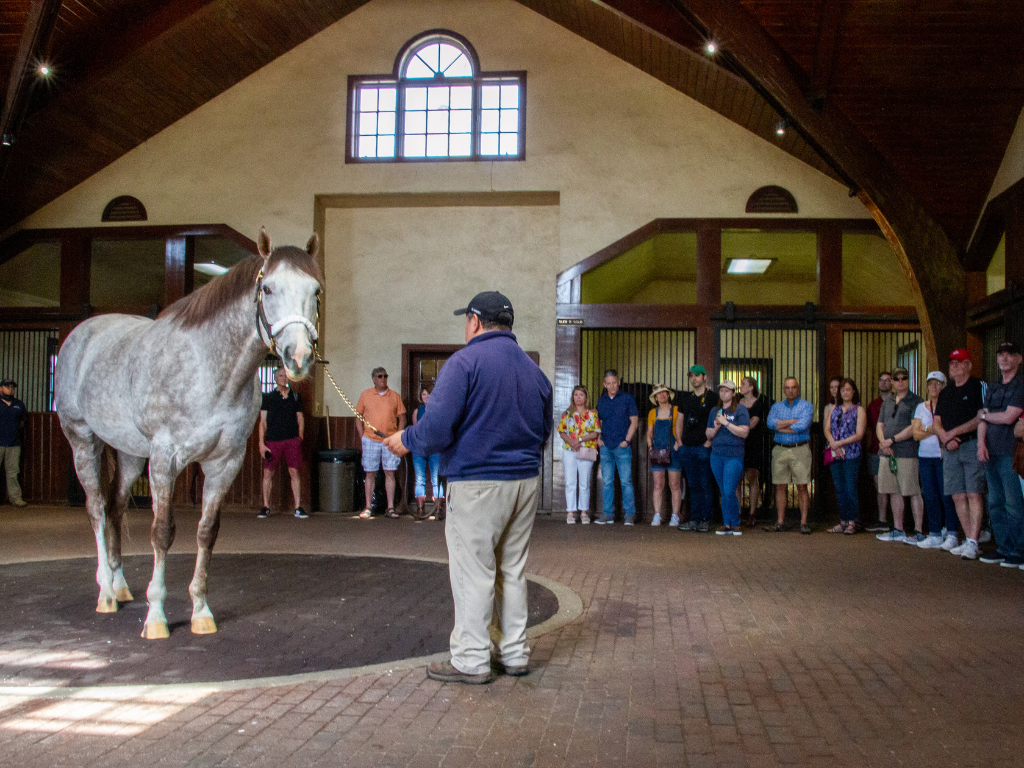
161 484
87 450
128 470
218 478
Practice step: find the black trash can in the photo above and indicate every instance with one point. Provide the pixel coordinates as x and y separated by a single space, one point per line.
337 479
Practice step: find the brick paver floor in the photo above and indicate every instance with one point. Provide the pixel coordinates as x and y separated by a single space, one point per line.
762 650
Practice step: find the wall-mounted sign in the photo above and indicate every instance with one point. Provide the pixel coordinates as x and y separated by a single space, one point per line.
570 321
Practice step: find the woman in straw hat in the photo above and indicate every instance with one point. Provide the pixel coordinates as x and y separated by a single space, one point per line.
660 438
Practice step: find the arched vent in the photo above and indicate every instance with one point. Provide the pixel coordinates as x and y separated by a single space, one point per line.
771 199
124 208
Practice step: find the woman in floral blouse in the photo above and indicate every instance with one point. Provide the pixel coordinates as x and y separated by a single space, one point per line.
578 429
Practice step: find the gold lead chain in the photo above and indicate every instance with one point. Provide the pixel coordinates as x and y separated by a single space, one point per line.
348 402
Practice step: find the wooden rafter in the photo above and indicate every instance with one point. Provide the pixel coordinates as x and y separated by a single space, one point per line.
825 51
42 17
922 246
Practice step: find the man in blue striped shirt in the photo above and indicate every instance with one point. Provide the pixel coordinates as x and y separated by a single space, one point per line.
791 457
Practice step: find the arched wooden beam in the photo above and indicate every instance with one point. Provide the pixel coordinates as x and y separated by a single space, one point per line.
925 251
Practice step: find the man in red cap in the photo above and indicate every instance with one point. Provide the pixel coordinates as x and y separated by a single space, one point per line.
956 425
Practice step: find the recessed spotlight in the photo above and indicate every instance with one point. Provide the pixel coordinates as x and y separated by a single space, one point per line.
44 70
8 140
780 128
748 266
711 47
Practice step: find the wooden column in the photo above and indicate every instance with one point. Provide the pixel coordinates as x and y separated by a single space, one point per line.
1015 239
709 289
179 260
75 269
830 299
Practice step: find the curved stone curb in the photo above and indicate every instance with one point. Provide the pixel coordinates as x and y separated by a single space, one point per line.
570 608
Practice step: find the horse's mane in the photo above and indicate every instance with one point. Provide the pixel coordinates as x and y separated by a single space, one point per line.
200 306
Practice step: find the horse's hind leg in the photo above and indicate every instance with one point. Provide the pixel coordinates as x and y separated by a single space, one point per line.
128 470
218 478
87 450
161 484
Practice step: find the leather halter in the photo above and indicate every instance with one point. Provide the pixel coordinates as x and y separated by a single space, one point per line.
263 325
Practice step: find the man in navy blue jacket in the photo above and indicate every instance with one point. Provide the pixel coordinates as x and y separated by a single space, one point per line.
490 416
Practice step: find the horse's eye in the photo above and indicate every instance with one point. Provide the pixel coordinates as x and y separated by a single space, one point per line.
267 291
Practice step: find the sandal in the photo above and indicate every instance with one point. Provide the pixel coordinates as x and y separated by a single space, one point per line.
841 528
366 514
391 513
777 528
851 528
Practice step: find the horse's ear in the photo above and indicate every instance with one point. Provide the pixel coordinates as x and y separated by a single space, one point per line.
313 245
263 243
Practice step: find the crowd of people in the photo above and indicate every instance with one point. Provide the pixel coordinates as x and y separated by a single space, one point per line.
955 453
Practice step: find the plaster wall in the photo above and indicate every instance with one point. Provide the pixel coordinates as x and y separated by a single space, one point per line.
620 148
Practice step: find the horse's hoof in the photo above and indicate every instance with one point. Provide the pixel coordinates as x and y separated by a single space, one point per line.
106 605
156 630
124 595
203 625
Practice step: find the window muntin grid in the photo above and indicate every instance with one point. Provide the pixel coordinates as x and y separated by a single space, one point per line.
438 108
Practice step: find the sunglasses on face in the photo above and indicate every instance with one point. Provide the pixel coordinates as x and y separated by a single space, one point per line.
900 378
381 376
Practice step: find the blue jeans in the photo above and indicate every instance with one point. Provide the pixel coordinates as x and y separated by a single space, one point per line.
844 475
728 471
1005 505
697 466
617 460
420 463
940 508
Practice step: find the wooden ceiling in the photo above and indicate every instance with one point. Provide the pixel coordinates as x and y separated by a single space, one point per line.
935 87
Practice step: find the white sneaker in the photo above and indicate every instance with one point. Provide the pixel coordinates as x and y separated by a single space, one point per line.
985 537
969 550
656 520
571 518
933 541
892 535
957 550
950 543
674 522
584 518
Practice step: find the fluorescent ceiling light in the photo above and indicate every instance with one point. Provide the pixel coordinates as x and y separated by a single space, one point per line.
210 268
747 266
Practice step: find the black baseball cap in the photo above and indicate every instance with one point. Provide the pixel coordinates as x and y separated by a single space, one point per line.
487 306
1009 346
8 383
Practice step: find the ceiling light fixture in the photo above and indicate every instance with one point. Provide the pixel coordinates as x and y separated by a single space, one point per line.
711 47
749 266
44 70
8 140
210 268
780 128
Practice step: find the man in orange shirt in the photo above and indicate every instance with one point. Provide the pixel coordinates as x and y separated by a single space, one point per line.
385 411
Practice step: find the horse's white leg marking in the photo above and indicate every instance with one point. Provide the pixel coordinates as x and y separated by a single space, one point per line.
161 483
218 478
88 453
128 470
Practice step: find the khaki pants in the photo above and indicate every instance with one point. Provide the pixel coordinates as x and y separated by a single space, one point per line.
488 531
11 458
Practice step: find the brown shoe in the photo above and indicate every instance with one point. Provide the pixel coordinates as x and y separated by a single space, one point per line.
421 512
439 509
446 673
512 670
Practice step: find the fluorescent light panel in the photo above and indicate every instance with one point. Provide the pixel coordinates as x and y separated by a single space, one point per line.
748 266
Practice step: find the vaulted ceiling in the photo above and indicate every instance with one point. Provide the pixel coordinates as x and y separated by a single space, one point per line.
931 89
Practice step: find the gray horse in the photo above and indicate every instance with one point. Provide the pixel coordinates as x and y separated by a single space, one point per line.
181 389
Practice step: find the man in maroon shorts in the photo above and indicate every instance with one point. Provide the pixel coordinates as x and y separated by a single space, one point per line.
281 428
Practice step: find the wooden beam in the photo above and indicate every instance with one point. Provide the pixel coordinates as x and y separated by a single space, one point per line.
42 16
924 250
824 52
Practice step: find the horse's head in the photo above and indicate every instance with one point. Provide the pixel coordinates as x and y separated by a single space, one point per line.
288 298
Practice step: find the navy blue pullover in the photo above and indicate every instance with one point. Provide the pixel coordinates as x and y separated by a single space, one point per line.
490 413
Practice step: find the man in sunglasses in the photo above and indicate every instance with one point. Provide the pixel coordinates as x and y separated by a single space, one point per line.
384 409
898 464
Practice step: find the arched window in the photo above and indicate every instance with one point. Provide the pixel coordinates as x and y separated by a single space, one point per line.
437 105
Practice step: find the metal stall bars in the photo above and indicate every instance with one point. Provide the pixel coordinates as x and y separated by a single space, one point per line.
867 353
770 353
28 357
643 358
